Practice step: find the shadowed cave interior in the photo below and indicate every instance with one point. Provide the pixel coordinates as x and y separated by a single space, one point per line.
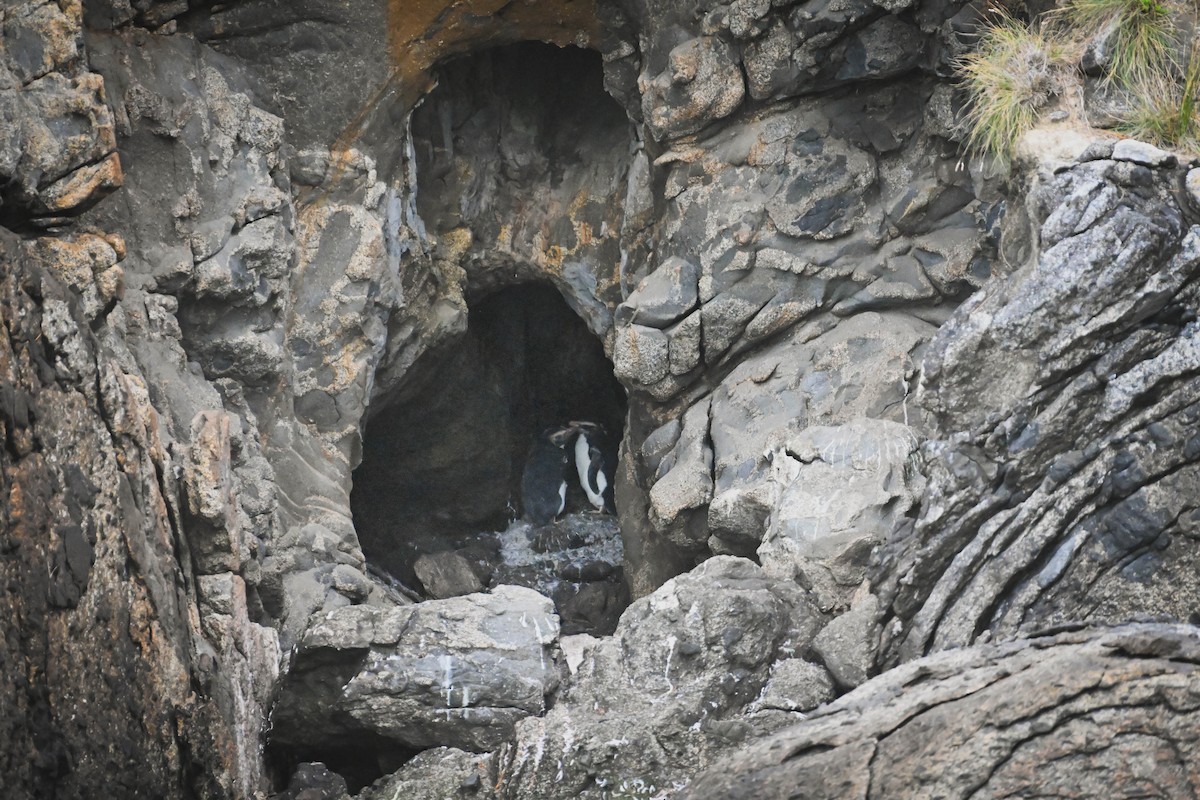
510 137
442 460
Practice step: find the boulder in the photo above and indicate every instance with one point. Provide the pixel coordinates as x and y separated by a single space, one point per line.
457 672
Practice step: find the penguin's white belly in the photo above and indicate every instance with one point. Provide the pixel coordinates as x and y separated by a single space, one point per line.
583 466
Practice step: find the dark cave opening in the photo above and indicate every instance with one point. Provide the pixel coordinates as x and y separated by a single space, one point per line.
520 153
442 461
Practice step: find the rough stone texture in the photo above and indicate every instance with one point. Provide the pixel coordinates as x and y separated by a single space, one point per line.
1063 474
836 493
846 646
457 672
231 286
1092 713
446 574
57 146
765 233
440 773
821 255
652 704
106 626
794 685
700 83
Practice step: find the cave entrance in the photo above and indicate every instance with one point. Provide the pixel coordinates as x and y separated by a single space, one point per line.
442 461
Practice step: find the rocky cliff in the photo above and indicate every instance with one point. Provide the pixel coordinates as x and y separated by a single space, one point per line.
907 481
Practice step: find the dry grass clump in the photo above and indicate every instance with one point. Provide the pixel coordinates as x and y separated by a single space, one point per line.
1164 108
1150 54
1141 35
1010 77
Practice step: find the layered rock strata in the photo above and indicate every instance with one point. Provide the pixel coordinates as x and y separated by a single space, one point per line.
886 418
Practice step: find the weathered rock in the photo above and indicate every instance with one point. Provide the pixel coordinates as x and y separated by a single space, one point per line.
1141 153
649 706
102 590
57 149
641 355
457 672
686 487
1064 408
1088 713
795 685
88 264
766 280
446 574
839 491
209 489
847 645
664 296
440 773
701 83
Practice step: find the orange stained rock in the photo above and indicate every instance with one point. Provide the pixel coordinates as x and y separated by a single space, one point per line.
423 32
89 182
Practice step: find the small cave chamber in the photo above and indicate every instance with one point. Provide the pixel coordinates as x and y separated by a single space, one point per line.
520 154
443 457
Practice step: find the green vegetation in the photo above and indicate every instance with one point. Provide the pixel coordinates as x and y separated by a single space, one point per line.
1140 35
1010 77
1148 51
1163 107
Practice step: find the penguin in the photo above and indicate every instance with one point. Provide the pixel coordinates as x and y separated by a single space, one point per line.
544 480
593 467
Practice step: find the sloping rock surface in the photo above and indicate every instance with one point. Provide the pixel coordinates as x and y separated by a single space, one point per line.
1089 713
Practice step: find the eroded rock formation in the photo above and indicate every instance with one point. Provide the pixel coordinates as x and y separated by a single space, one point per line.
875 404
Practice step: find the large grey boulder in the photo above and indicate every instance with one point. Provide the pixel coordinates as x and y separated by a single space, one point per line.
457 672
653 703
836 492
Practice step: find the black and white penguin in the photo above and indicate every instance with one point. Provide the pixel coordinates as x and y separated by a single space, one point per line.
544 481
593 465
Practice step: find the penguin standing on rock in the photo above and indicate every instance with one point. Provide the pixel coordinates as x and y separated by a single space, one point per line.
544 481
593 465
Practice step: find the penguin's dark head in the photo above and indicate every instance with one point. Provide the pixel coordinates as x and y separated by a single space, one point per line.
560 436
593 430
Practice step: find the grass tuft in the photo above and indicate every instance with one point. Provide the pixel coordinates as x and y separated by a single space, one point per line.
1152 62
1010 76
1165 107
1141 35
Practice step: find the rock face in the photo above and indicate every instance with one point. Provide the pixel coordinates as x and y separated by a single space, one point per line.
996 721
459 672
105 592
682 677
1062 479
883 419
